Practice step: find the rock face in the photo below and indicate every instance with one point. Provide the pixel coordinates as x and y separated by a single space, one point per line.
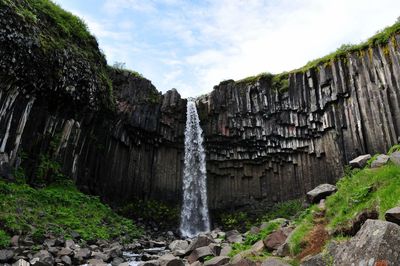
261 143
376 242
320 192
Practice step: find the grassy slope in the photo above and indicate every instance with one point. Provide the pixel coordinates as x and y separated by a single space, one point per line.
57 210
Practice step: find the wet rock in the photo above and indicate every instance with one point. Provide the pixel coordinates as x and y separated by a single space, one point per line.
6 255
178 245
381 160
234 236
395 157
376 241
117 261
274 262
199 253
21 262
101 256
66 260
217 261
200 241
276 239
393 215
151 263
320 192
114 251
170 260
360 161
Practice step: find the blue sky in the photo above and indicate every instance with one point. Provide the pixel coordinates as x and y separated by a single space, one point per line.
193 45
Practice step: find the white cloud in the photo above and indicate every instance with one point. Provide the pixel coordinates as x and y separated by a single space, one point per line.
193 45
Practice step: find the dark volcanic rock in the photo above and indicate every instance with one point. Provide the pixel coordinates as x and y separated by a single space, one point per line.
377 241
6 255
381 160
393 215
360 161
320 192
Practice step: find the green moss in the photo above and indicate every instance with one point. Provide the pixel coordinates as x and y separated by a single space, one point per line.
280 82
288 210
253 79
58 209
4 239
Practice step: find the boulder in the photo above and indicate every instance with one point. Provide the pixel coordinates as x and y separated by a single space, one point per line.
70 244
225 250
101 256
393 215
316 260
198 242
170 260
117 261
254 230
96 262
276 239
83 253
66 260
199 253
43 258
6 255
243 262
360 161
258 247
377 241
64 252
178 245
15 241
234 236
381 160
320 192
274 262
114 251
395 157
217 261
215 249
21 262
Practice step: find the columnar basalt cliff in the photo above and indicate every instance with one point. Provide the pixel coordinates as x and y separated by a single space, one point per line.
262 142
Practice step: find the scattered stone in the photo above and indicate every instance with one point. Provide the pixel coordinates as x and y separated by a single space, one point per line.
66 260
274 240
64 252
196 263
217 261
215 249
95 262
157 243
170 260
376 241
198 242
316 260
360 161
44 258
114 251
199 253
395 157
21 262
258 247
101 256
234 236
117 261
83 253
75 235
243 262
274 262
393 215
381 160
254 230
225 251
14 241
151 263
178 245
6 255
320 192
70 244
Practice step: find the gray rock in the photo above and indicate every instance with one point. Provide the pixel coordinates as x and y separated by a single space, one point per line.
21 262
101 256
215 249
6 255
217 261
274 262
96 262
200 241
66 260
395 157
376 241
151 263
225 250
64 252
320 192
243 262
15 241
170 260
178 245
114 251
393 215
234 236
44 258
117 261
70 244
276 239
257 247
360 161
316 260
199 253
83 253
381 160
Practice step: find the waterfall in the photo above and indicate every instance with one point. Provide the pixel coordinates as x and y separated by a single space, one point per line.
194 214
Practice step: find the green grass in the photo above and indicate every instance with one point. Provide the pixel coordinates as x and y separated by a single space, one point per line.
364 190
4 239
286 209
58 209
394 148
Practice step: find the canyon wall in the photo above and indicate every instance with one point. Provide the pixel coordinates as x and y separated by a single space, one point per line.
262 143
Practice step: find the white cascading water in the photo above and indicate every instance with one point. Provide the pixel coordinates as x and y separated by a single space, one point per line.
194 214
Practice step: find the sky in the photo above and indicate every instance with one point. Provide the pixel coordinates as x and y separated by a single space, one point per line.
194 45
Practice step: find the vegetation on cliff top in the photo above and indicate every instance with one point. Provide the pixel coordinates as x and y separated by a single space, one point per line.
58 209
